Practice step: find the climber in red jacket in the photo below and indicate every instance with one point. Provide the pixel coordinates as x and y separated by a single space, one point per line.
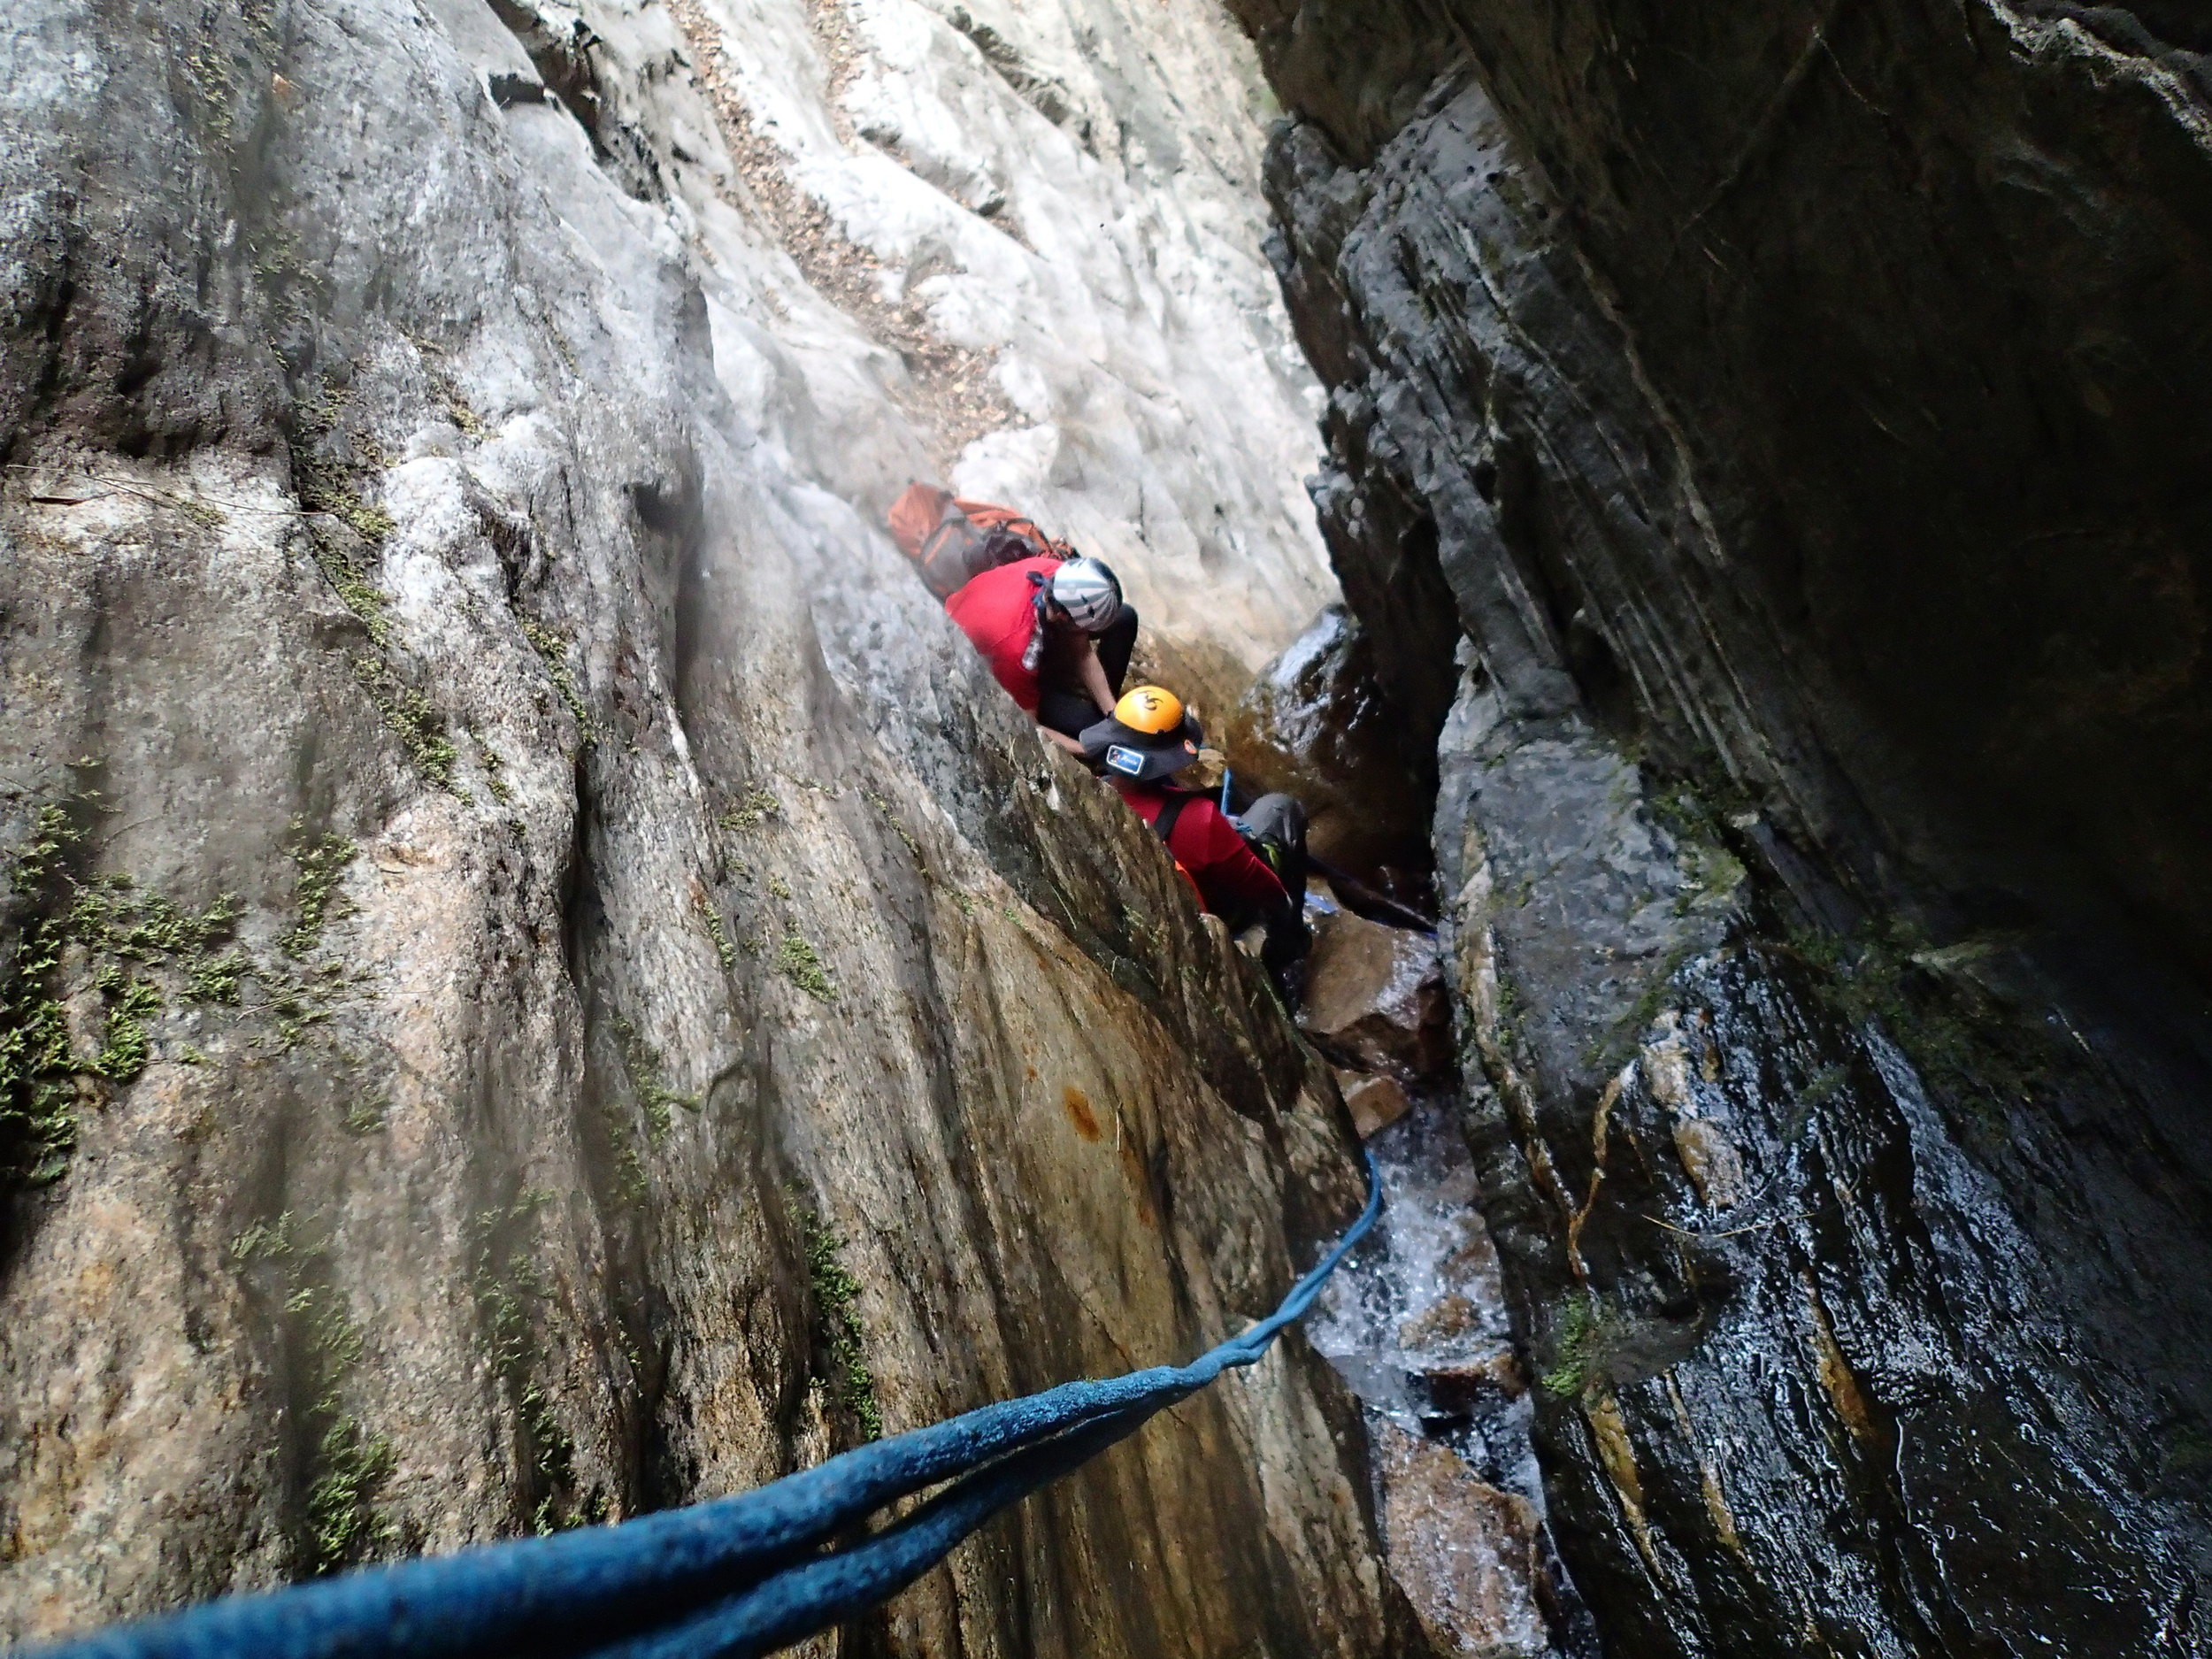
1246 872
1057 636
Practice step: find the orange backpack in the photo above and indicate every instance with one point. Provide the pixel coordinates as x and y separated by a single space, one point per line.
953 540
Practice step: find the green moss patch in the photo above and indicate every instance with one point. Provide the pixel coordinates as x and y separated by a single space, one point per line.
352 586
511 1291
1573 1368
321 862
112 933
552 649
643 1067
1975 1053
756 809
717 934
845 1372
882 804
84 934
346 1464
416 721
803 966
324 473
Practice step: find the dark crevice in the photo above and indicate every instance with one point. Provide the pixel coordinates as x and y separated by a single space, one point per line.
582 915
565 60
691 602
636 1369
1041 92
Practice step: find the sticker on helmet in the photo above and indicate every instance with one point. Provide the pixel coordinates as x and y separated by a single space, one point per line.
1128 760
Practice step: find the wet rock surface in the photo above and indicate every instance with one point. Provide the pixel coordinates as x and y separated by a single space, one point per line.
1750 1156
542 980
1317 724
1375 998
1417 1322
1829 1176
1465 1551
1376 1102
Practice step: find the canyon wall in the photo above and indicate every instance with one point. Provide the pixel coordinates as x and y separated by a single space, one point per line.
542 979
1771 444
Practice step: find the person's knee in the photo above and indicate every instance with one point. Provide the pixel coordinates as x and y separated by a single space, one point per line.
1279 818
1067 713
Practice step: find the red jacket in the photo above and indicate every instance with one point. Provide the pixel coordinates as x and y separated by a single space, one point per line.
1230 875
998 612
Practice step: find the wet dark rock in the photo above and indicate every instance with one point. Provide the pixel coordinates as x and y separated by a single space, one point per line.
1796 465
1317 724
1470 1387
1465 1552
1828 420
1947 1237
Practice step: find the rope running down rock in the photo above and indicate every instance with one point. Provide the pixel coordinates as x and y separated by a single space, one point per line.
736 1577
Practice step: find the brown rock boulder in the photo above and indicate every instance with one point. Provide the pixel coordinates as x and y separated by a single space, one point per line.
1464 1551
1375 998
1376 1102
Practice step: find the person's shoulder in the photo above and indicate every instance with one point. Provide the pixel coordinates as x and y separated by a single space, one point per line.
1208 819
1196 802
981 591
1001 582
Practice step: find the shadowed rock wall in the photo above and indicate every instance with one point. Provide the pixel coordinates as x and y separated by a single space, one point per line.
541 977
1755 434
1903 505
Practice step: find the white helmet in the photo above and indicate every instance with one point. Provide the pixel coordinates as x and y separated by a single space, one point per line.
1087 590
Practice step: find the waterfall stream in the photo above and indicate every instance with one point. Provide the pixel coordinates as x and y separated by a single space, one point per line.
1416 1323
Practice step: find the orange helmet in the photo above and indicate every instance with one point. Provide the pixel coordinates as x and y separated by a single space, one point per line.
1151 710
1149 735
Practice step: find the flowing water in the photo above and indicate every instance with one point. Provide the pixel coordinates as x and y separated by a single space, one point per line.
1415 1323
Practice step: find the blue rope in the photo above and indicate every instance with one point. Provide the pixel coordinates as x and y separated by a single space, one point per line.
738 1576
823 1592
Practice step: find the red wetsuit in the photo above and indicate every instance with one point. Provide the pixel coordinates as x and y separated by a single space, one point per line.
1231 876
997 610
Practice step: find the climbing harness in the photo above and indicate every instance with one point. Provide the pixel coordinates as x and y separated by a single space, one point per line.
735 1578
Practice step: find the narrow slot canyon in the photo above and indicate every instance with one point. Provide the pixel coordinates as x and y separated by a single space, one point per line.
544 979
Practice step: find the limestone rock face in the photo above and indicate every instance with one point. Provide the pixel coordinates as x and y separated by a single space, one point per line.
541 978
1758 477
1048 214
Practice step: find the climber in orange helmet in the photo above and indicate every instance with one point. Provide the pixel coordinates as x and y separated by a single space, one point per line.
1246 871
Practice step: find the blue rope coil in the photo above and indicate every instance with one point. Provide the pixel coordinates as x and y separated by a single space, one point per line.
735 1578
